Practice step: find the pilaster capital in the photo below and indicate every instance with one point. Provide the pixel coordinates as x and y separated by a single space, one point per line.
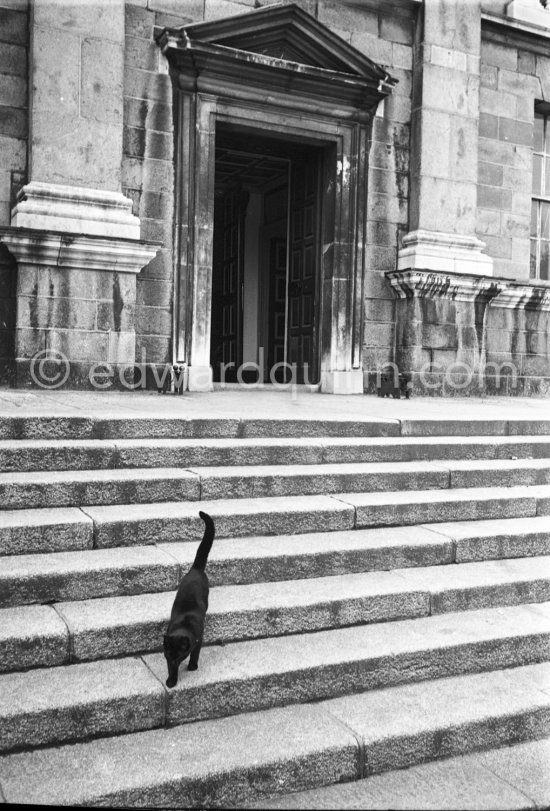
452 286
526 296
32 246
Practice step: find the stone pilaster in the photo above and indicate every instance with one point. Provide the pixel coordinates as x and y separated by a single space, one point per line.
76 103
73 234
444 142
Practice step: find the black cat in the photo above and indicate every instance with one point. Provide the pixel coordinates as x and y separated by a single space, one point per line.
183 636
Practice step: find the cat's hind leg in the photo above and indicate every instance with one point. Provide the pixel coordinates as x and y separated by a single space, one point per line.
194 658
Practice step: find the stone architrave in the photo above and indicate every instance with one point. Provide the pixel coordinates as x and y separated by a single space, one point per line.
276 70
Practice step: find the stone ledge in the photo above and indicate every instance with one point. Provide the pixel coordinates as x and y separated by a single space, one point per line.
442 285
528 11
505 293
32 246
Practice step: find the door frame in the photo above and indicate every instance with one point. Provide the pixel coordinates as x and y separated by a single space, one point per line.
342 234
279 70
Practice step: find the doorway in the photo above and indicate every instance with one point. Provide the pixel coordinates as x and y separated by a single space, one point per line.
266 259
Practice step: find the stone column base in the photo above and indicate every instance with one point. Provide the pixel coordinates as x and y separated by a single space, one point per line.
459 335
444 253
74 210
200 378
342 382
76 300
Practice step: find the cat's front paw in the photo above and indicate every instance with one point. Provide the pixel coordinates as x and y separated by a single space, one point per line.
171 681
192 666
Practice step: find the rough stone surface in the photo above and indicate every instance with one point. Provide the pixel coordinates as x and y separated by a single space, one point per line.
482 584
332 663
124 625
499 473
143 523
32 636
525 766
417 507
90 454
74 702
413 723
278 480
47 530
459 783
219 763
29 455
83 487
256 559
498 538
81 575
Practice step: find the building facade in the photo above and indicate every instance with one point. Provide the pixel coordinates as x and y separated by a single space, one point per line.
259 192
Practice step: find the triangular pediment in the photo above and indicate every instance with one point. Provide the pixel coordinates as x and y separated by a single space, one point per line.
285 31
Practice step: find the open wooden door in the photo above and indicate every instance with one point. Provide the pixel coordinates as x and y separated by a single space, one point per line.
303 271
226 348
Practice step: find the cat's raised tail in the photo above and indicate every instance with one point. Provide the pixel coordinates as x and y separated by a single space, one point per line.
206 543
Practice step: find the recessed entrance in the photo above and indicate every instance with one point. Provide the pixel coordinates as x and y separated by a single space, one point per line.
272 116
266 258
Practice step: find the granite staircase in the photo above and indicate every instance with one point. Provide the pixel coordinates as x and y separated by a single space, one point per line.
379 623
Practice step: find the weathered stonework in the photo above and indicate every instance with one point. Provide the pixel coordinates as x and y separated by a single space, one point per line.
76 303
464 334
446 161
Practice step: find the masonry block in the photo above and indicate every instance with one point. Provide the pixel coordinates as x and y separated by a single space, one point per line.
501 56
13 26
139 21
334 14
517 132
13 122
101 71
376 49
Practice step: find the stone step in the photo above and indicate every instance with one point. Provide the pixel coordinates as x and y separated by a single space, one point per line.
92 454
166 522
456 504
79 575
167 427
158 523
510 777
496 538
82 487
47 530
62 704
243 760
49 489
124 625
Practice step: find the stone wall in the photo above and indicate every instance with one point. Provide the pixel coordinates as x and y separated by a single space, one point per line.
14 39
510 85
518 330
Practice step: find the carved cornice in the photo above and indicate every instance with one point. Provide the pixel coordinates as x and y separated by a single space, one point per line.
524 297
451 286
278 50
505 293
32 246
